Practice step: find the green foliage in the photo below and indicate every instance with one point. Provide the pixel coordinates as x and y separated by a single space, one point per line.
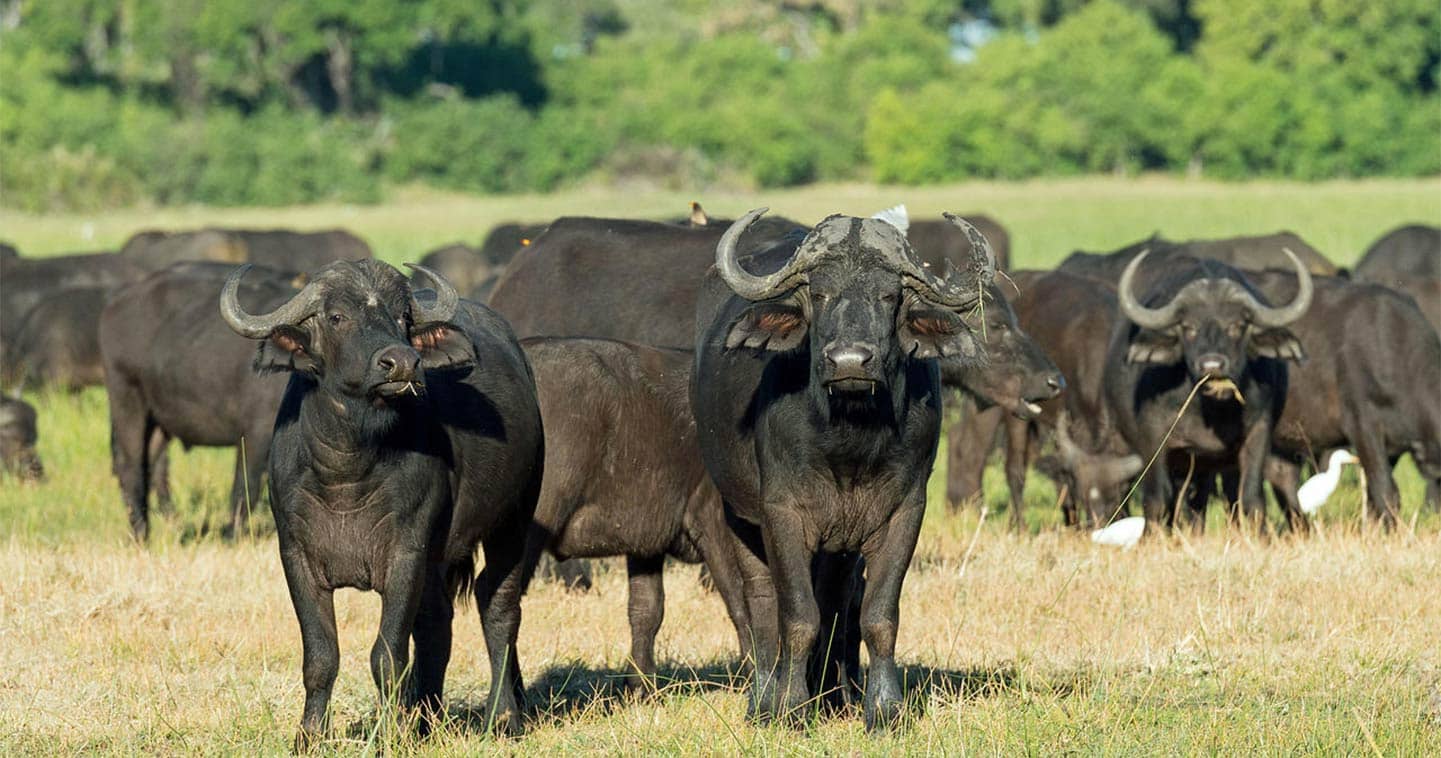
114 102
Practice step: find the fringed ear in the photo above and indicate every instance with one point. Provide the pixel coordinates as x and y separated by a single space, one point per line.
1151 346
286 349
769 326
442 345
929 332
1278 343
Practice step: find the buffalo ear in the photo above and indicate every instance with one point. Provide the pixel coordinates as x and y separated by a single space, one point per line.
769 326
1280 344
442 345
286 349
1153 346
928 332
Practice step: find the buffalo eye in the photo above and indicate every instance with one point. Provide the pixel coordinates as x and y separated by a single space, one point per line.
337 318
1234 331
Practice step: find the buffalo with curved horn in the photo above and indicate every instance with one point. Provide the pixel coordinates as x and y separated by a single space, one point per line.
409 435
1204 335
817 397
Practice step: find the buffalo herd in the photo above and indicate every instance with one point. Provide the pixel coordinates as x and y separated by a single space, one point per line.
761 396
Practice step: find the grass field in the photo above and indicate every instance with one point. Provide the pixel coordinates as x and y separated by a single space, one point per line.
1036 644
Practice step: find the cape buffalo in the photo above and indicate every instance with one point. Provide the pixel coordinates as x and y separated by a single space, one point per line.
17 440
408 435
466 268
817 399
174 369
1407 259
505 240
1092 460
1370 382
1201 327
24 282
280 249
624 474
57 343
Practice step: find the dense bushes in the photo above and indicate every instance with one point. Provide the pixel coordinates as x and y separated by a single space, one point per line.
105 102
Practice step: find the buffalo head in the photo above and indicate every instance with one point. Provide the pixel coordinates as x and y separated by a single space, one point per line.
855 294
1214 323
1016 374
358 329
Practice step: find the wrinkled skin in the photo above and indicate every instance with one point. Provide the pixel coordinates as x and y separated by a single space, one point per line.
1151 372
18 435
818 413
402 443
1369 383
625 476
174 370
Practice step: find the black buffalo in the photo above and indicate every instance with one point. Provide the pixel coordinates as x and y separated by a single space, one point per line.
1071 318
818 405
624 474
18 434
1255 253
280 249
1201 327
616 278
1370 382
1407 259
57 342
24 282
505 240
409 435
173 369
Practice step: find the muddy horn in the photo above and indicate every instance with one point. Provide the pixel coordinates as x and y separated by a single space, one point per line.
293 311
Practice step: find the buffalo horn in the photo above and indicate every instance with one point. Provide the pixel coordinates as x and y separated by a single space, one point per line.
293 311
1140 315
446 298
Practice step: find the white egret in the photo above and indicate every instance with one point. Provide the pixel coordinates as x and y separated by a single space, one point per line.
1123 534
1317 489
896 216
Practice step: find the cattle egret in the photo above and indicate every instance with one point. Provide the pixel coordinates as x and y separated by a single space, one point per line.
1123 534
1314 492
896 216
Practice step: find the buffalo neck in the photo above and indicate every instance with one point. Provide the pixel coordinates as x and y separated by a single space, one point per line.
346 435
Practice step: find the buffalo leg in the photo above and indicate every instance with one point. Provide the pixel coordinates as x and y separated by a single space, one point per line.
315 610
159 455
834 668
646 609
789 556
887 555
1383 498
432 635
714 545
399 604
130 431
1018 451
1284 476
1156 494
497 595
760 642
969 440
250 461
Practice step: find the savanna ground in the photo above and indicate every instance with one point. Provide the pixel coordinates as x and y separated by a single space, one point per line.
1036 643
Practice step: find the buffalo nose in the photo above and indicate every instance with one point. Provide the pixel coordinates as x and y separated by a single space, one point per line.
850 360
1055 383
1214 364
399 362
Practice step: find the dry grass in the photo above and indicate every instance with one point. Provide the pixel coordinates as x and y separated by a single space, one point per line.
1043 644
1048 644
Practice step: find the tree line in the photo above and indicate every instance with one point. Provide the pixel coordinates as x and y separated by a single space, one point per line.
113 102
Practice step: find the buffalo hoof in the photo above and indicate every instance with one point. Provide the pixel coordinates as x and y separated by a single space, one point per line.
307 740
883 704
505 721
